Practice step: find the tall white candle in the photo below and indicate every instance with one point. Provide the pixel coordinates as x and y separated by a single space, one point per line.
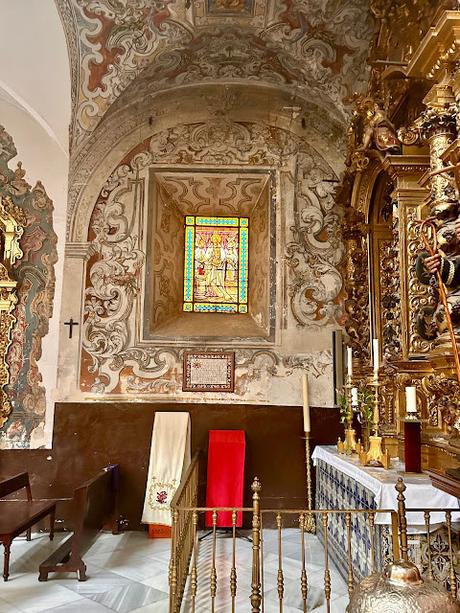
350 361
354 396
411 400
306 406
375 354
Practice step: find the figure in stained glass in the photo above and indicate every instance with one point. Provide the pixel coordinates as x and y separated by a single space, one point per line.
214 278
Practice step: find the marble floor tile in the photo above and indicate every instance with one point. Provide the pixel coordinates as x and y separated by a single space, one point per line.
34 597
6 607
128 573
129 597
84 605
129 564
293 596
159 580
156 607
98 582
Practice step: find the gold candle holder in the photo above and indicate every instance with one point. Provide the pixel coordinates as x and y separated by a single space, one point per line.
375 456
310 524
349 445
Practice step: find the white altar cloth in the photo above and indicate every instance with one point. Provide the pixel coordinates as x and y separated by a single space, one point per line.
169 459
419 494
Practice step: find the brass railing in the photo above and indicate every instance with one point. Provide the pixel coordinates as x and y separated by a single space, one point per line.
182 534
206 589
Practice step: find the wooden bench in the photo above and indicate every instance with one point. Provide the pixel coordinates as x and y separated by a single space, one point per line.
18 516
94 505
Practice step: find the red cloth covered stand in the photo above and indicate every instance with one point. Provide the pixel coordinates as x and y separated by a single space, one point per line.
225 483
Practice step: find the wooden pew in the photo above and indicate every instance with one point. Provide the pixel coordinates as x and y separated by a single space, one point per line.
18 516
95 505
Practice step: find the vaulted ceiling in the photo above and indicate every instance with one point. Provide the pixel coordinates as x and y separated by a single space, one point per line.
124 50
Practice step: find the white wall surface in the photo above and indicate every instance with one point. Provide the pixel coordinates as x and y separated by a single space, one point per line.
35 111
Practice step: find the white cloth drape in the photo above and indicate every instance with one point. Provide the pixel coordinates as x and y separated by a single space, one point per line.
169 459
419 494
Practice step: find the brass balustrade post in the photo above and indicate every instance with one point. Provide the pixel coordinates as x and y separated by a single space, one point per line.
256 598
401 488
173 563
233 575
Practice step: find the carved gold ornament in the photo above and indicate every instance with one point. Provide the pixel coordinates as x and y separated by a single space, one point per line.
12 222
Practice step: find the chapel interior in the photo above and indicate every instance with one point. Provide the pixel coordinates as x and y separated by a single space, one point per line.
230 305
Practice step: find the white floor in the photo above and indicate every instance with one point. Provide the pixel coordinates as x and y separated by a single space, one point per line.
129 574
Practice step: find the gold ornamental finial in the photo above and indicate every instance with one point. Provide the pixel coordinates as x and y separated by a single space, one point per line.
256 486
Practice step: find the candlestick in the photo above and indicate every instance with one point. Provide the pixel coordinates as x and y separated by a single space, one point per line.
375 354
310 524
354 396
306 406
411 400
349 361
375 456
349 445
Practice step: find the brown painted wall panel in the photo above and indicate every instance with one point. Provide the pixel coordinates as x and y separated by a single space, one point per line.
88 436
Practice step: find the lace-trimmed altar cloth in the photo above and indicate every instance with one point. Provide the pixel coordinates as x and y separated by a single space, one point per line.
169 459
419 494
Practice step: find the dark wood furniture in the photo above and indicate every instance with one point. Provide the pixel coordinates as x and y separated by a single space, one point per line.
445 482
18 516
95 506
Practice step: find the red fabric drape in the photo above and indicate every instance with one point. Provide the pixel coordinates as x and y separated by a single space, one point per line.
225 483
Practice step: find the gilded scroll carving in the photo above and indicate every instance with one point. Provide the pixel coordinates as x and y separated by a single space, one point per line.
12 221
391 295
443 400
356 281
422 297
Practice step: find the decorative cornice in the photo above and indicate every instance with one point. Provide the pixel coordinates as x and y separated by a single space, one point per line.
78 251
440 45
398 165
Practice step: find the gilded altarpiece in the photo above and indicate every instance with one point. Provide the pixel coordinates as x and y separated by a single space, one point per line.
28 246
414 87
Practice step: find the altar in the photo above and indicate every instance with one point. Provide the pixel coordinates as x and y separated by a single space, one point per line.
342 483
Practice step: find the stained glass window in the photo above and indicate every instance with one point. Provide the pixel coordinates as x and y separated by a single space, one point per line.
216 264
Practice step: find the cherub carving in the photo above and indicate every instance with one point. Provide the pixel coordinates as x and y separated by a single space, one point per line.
370 129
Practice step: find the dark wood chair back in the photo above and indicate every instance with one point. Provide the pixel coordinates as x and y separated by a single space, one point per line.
13 484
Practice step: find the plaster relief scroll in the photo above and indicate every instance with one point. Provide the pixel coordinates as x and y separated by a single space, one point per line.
116 358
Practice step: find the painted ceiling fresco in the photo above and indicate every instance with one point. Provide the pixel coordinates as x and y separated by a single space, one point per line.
313 47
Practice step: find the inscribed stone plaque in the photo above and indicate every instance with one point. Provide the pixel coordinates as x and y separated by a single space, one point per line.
208 372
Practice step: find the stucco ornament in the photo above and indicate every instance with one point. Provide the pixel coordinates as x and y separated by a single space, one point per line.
119 361
318 47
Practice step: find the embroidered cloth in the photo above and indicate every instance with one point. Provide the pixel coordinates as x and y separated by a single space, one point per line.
420 493
169 459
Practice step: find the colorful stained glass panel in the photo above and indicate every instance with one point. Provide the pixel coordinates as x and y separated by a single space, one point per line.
216 264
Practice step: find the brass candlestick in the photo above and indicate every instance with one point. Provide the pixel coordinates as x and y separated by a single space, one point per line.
310 525
375 456
349 445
